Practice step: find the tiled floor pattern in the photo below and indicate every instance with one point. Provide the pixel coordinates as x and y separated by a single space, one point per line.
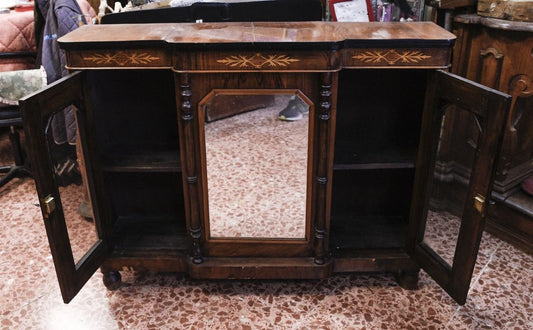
500 297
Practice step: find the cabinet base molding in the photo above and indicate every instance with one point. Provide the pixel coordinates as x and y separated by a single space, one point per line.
264 268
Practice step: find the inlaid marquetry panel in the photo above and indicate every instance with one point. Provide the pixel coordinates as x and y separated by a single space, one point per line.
395 57
113 58
256 61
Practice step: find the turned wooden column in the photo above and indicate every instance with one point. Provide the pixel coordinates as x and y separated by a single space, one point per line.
323 178
186 120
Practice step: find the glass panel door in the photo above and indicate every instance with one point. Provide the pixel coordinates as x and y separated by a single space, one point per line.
78 244
453 179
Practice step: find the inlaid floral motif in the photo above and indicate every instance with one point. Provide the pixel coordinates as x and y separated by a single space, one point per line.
121 58
257 61
392 56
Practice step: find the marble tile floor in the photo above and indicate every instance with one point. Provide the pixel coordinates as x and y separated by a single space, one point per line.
501 293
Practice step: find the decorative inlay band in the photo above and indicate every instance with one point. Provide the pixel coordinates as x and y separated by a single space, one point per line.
121 58
257 61
392 56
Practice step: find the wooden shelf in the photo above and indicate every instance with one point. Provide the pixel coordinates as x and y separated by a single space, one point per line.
372 166
150 233
143 161
367 232
347 159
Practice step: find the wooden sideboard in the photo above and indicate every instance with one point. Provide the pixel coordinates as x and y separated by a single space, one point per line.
497 54
160 176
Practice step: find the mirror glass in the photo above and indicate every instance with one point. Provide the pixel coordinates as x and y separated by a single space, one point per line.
256 153
451 178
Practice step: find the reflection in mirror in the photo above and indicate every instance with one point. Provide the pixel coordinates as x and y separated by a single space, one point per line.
256 160
68 172
454 162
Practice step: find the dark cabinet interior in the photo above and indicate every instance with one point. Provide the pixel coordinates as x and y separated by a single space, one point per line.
137 134
376 143
375 111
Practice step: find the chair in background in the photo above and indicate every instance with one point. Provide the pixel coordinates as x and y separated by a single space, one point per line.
13 86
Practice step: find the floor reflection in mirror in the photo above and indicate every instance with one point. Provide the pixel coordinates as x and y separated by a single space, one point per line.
257 173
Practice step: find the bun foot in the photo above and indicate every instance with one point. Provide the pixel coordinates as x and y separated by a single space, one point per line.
407 280
112 280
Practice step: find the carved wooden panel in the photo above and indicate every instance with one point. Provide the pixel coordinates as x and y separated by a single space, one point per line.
491 66
500 57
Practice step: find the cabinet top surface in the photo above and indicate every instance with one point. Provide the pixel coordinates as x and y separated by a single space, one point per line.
293 34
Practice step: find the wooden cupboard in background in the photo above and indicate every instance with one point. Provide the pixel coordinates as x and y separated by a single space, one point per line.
499 54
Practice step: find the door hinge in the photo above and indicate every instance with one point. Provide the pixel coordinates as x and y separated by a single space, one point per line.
479 204
49 205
